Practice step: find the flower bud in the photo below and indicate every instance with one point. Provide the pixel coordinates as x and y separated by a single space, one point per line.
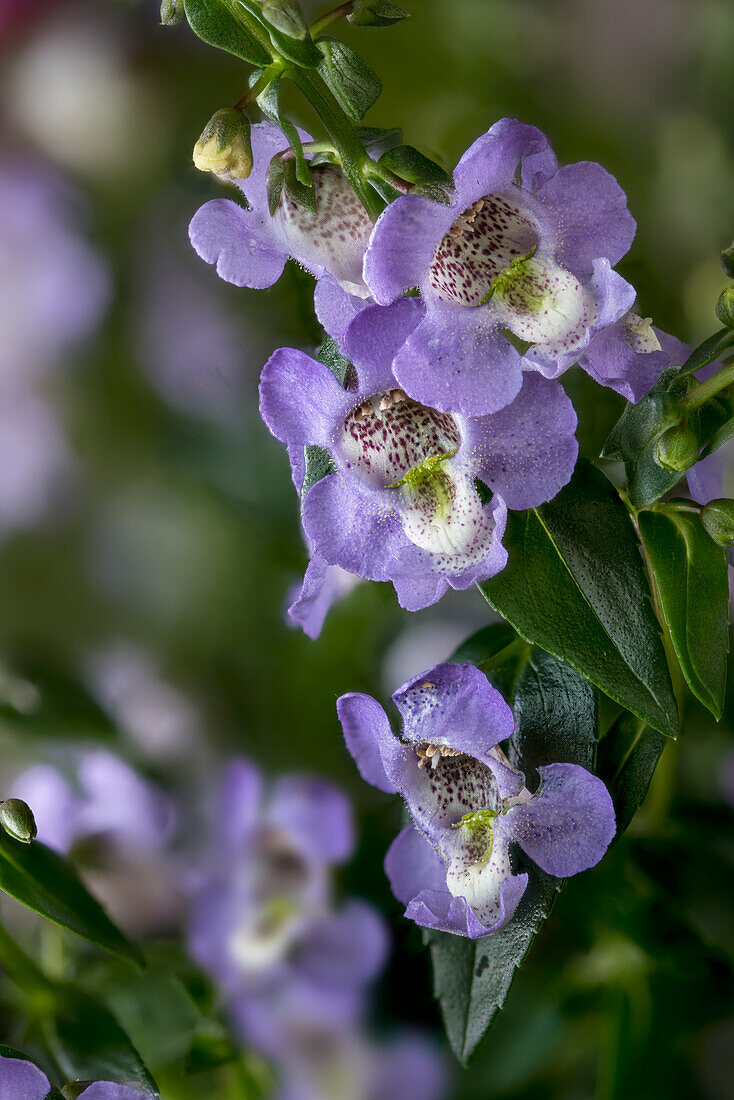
727 260
224 147
718 519
677 449
725 307
16 818
172 12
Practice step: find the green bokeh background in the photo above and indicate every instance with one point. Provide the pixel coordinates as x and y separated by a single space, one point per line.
184 538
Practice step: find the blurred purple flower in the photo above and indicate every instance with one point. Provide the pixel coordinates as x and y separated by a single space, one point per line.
21 1080
263 922
35 464
452 868
402 504
524 246
54 286
250 247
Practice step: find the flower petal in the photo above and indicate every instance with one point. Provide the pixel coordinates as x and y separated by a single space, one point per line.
21 1080
301 401
438 909
594 220
247 252
412 865
346 948
569 823
370 740
323 585
240 803
527 451
334 307
402 244
375 336
316 814
491 162
108 1090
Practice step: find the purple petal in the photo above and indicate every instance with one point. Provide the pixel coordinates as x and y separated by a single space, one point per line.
55 803
240 804
323 585
568 824
374 338
415 591
455 705
346 948
527 451
412 865
402 245
593 216
491 162
120 803
317 815
21 1080
706 480
300 399
612 361
244 247
107 1090
440 910
376 751
334 307
457 360
413 1066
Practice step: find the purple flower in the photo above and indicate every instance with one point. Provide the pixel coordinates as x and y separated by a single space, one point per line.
265 921
22 1080
452 868
403 505
323 585
250 247
526 246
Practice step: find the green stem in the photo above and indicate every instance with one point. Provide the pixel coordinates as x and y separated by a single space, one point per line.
267 76
706 390
331 17
349 148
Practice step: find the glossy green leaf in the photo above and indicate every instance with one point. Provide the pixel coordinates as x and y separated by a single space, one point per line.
337 363
555 720
10 1052
352 81
575 585
711 349
627 758
691 573
412 165
89 1044
633 441
38 877
289 32
214 22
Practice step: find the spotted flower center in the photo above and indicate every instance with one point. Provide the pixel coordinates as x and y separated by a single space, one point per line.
337 234
482 243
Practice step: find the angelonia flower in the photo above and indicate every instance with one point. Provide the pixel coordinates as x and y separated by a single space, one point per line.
264 922
22 1080
322 586
525 247
452 866
402 503
250 247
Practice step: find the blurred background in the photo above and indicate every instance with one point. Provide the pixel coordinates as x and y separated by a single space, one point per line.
149 535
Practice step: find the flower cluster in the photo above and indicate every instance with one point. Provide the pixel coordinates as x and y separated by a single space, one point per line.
441 422
266 927
452 867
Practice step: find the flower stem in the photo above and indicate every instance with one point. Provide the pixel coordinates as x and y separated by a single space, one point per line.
266 77
331 17
349 148
706 390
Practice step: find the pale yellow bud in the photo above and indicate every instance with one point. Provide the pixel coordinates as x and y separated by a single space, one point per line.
224 146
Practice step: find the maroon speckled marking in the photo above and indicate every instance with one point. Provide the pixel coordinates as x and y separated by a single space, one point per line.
481 243
340 226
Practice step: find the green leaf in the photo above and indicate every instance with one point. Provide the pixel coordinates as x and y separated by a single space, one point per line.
354 84
319 464
10 1052
338 364
215 24
41 698
634 440
575 585
377 140
376 13
39 878
412 165
691 573
89 1044
555 720
289 32
708 351
627 758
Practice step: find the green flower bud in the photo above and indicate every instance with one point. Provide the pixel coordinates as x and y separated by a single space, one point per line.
718 519
224 147
16 818
172 12
725 307
677 449
727 260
